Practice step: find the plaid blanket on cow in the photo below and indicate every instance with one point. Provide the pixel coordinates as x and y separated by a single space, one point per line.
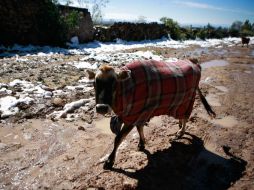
156 88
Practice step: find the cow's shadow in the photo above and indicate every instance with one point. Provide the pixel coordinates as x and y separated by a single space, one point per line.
188 166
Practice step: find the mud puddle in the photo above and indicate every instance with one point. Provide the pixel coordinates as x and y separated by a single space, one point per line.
213 100
252 53
227 122
214 63
103 125
222 88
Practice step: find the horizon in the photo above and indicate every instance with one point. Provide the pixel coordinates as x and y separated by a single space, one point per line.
193 12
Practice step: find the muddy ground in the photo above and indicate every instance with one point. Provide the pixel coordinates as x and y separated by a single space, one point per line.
39 152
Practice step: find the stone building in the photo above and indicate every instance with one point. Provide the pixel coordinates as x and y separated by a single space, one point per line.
84 29
37 22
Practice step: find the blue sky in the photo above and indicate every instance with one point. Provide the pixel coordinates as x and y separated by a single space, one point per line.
217 12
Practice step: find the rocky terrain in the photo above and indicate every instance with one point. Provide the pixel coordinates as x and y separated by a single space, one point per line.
52 138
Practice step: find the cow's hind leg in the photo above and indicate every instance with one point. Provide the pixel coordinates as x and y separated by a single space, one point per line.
182 125
119 138
141 144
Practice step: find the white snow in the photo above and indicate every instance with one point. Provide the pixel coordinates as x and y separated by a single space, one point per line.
83 65
70 108
74 42
30 88
97 47
148 55
8 105
93 55
5 91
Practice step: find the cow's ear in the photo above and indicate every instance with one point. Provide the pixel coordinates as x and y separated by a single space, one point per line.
194 60
91 74
123 75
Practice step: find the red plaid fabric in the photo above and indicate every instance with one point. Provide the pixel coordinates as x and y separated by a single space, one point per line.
156 88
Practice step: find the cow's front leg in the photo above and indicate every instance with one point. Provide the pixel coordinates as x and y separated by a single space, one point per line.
119 138
182 125
141 144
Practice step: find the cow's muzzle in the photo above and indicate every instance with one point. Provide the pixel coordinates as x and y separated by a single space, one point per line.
102 108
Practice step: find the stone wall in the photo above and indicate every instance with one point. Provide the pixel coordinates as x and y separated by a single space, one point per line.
131 31
37 22
84 30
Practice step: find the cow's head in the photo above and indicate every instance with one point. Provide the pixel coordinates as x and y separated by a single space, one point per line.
104 84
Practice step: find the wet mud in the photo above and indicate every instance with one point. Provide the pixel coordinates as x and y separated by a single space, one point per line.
41 152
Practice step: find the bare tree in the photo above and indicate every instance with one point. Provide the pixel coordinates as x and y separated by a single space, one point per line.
95 7
69 2
141 19
83 3
96 10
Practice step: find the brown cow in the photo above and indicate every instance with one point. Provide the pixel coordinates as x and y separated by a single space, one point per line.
144 89
245 40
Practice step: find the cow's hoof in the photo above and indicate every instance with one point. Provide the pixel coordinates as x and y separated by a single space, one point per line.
179 135
108 165
141 147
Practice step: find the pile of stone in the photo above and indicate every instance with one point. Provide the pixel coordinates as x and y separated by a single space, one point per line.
130 32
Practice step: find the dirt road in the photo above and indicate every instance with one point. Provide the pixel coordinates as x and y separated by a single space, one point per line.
39 152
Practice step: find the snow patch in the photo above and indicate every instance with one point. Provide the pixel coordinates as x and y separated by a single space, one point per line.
70 108
8 105
30 88
83 65
119 45
148 55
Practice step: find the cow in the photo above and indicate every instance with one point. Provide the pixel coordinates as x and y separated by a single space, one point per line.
246 41
143 89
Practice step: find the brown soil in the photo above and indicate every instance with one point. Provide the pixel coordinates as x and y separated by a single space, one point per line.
38 153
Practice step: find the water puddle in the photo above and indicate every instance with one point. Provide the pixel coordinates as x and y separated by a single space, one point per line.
252 53
228 121
214 63
248 72
200 51
103 125
222 88
213 100
220 52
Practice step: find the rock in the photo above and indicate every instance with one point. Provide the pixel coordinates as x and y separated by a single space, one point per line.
67 158
87 118
48 94
23 105
58 102
81 128
91 74
3 146
129 184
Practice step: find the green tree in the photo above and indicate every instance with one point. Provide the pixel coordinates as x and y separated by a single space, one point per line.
202 33
246 25
172 27
211 31
95 8
235 28
246 29
236 25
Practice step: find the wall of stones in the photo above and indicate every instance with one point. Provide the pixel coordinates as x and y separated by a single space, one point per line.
84 29
37 22
130 31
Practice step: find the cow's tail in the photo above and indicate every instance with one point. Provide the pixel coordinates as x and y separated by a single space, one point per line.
205 103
